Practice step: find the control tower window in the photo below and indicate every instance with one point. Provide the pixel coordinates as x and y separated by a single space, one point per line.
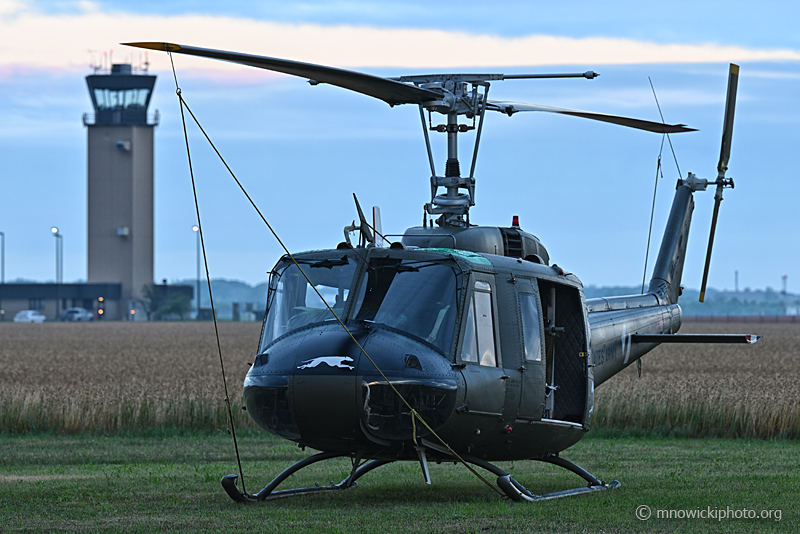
108 99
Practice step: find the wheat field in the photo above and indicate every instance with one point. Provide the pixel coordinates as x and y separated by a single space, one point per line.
699 390
108 377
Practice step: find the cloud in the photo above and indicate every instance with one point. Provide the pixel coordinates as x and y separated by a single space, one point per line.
774 75
32 40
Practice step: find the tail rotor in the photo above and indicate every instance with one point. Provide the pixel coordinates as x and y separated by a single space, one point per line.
724 156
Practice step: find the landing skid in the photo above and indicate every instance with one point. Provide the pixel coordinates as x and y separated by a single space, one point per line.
269 493
513 489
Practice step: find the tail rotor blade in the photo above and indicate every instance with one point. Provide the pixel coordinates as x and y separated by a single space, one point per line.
717 200
724 157
727 127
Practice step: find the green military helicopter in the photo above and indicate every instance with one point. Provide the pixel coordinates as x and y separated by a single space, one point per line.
456 342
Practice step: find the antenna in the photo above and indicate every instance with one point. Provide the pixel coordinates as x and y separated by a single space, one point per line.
94 62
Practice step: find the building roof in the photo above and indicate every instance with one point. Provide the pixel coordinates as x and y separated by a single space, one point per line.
110 291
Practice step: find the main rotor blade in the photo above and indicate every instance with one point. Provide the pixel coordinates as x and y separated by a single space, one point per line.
727 125
390 91
658 127
717 200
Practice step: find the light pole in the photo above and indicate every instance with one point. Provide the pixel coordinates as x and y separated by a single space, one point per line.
59 266
59 255
196 230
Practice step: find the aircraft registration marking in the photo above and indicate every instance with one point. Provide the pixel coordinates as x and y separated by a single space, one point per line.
626 344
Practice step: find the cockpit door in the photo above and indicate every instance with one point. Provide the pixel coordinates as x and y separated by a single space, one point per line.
480 350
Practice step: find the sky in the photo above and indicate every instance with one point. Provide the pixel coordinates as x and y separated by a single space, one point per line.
584 188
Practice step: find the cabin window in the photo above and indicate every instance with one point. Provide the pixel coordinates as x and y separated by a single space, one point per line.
478 346
530 327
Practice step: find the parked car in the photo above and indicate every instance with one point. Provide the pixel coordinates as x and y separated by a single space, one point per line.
77 314
29 316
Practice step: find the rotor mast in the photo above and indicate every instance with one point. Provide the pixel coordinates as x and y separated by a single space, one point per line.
458 98
452 206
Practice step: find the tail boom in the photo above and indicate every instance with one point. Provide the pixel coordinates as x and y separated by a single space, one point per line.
612 334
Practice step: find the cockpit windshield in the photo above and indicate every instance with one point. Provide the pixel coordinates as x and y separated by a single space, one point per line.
294 303
416 297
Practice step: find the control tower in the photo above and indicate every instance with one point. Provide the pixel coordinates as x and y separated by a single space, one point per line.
120 184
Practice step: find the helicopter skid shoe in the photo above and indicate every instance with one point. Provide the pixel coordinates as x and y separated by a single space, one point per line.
517 492
269 493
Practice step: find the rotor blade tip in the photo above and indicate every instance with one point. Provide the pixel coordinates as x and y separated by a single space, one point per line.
734 68
166 47
702 296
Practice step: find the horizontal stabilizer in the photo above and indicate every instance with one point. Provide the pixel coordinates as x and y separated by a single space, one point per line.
694 338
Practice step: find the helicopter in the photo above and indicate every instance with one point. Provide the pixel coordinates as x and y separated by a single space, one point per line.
457 342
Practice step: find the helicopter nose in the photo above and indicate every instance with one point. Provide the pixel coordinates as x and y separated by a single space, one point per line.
303 387
323 386
318 387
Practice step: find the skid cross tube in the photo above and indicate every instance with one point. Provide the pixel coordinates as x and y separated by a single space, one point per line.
269 493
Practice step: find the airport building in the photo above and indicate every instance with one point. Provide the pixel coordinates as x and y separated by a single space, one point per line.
120 182
120 208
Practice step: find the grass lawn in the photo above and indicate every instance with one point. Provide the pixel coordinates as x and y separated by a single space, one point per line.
169 481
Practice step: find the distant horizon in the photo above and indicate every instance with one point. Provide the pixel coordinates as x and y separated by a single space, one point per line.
192 281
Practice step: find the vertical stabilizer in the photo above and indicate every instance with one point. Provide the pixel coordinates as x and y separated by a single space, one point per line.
666 281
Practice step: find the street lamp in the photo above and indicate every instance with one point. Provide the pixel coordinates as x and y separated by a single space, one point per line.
59 267
196 230
59 255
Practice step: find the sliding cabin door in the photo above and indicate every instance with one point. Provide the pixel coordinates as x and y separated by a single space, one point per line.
566 371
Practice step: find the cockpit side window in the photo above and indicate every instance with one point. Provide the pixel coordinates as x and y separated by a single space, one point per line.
469 349
479 342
